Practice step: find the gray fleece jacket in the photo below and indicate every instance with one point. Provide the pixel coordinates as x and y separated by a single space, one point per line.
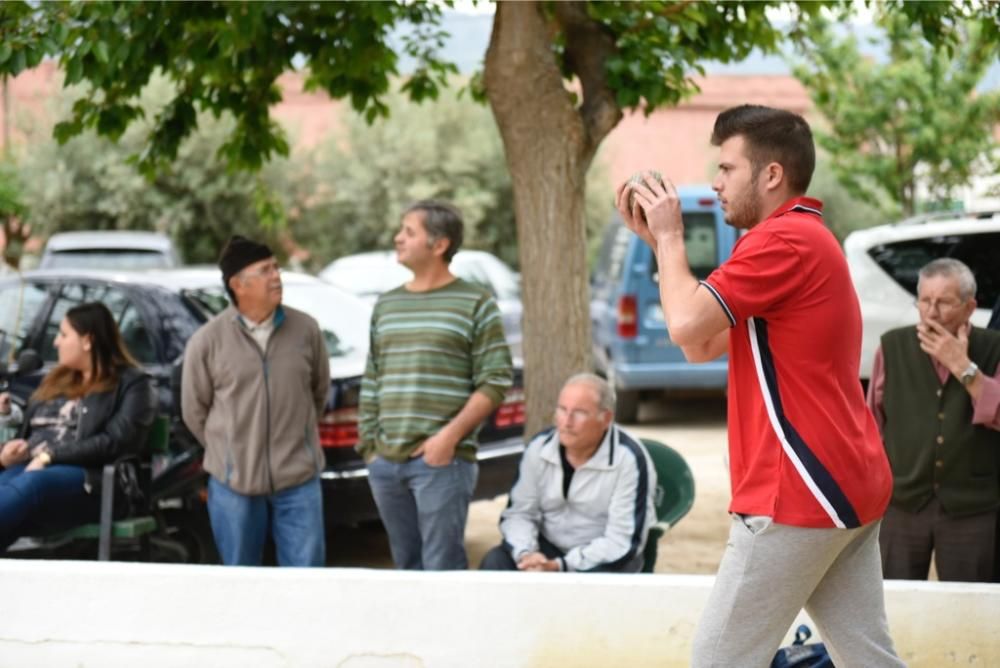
256 411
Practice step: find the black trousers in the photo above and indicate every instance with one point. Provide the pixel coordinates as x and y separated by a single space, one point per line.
500 559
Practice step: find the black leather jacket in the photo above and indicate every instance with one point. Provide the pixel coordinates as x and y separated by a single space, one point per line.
111 424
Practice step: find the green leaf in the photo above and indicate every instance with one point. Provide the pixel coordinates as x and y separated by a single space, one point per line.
5 52
101 52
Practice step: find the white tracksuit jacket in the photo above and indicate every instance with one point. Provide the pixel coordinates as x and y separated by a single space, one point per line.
604 519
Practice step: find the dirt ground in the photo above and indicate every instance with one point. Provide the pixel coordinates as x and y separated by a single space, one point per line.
697 429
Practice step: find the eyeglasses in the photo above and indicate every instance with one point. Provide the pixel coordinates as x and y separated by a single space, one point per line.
575 415
942 305
265 271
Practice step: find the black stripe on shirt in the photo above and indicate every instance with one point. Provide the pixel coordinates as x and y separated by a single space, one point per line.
814 468
722 302
639 513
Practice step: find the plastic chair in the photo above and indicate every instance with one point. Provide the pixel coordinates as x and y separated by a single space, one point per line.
674 495
136 527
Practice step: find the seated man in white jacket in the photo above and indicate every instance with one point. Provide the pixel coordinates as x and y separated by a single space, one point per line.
583 498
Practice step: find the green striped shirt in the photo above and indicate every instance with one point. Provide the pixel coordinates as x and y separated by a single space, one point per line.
429 352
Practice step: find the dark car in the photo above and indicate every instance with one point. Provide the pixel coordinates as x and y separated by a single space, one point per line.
157 313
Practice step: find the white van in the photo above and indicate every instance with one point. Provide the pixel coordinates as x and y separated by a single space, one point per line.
885 260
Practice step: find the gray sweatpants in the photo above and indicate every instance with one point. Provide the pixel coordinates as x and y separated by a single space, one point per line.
770 571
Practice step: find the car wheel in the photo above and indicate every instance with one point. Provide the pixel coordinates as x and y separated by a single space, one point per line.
192 530
627 405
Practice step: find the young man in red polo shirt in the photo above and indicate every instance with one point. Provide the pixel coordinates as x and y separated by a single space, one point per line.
810 479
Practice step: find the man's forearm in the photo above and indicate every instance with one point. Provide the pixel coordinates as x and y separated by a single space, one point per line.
677 290
476 409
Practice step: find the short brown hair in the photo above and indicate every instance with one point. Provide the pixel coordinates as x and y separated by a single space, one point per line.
771 135
442 221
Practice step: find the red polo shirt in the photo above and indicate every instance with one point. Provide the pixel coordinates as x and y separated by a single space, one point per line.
803 446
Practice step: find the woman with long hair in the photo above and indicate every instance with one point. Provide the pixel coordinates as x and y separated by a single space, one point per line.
95 406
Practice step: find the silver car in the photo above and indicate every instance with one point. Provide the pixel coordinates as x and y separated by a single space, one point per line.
109 250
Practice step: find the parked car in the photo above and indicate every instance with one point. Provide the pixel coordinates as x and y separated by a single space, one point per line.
158 311
631 344
884 262
105 249
368 275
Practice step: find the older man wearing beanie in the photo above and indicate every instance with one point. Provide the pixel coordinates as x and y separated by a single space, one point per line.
255 380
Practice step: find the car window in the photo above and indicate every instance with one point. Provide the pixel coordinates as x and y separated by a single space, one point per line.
124 260
20 304
134 333
902 260
701 240
208 301
612 256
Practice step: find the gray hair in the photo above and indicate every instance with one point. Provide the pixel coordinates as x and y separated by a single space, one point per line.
605 393
442 221
951 268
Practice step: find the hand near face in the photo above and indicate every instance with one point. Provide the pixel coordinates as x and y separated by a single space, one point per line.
952 351
632 216
661 205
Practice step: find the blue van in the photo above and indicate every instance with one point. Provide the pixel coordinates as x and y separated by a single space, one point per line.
632 348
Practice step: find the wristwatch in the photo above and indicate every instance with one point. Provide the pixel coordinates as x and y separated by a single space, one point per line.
969 374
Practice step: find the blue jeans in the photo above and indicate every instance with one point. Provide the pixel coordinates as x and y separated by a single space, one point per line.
36 501
295 517
424 509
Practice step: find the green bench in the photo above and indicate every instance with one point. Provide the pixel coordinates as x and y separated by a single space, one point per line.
134 530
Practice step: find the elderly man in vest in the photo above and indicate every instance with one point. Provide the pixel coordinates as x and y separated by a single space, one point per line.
935 392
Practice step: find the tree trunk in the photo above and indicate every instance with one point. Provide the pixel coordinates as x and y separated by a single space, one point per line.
549 145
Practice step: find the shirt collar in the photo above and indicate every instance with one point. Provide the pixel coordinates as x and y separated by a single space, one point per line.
809 205
603 457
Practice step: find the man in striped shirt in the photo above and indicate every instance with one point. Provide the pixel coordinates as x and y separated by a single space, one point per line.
438 365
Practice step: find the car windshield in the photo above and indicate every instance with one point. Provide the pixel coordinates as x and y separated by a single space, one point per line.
343 319
107 258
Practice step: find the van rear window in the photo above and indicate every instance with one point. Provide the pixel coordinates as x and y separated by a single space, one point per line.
701 239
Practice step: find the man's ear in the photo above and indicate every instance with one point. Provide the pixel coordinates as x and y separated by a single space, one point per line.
773 175
440 246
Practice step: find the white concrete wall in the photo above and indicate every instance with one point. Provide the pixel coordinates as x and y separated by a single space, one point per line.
84 614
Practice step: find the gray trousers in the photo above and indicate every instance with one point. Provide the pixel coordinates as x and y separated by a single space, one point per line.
770 571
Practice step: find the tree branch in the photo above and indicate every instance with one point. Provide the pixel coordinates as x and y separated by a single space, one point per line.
588 48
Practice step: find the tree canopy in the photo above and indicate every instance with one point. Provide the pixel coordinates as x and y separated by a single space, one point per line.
557 75
909 123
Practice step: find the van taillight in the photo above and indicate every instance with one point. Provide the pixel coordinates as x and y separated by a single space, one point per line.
511 411
706 201
339 428
628 322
